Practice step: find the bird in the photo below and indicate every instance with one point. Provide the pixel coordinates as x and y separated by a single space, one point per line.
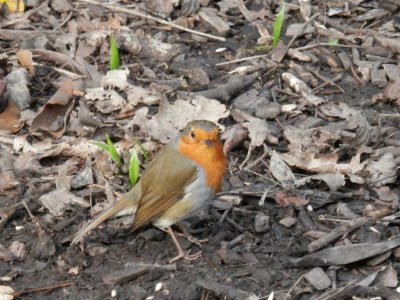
179 182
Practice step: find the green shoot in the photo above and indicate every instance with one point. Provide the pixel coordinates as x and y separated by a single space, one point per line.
114 54
278 26
110 148
333 41
139 147
133 170
113 152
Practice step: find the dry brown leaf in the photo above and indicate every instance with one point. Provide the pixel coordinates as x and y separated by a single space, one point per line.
52 118
334 181
10 118
233 137
60 200
107 99
301 87
324 164
381 171
392 91
283 200
281 170
173 117
25 59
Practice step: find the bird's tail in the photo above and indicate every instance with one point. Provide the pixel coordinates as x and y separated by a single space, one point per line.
126 205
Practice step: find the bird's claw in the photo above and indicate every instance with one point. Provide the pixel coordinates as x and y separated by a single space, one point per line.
185 255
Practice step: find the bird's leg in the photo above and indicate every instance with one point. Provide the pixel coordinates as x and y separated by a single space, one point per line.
181 253
190 237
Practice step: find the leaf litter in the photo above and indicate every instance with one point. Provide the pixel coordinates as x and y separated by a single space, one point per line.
309 208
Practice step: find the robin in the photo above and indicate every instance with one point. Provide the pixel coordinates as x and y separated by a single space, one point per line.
180 181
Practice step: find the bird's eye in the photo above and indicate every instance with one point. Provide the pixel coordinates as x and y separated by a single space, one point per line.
192 134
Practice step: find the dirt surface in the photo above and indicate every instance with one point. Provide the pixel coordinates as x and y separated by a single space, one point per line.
268 234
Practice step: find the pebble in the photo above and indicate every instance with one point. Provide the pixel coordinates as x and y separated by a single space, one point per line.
288 222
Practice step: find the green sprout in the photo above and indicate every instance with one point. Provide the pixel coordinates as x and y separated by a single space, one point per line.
114 54
333 41
133 170
110 148
278 26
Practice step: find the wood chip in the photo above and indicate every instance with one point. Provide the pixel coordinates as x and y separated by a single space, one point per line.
318 279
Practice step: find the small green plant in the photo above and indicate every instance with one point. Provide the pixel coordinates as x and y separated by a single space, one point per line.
133 170
110 148
114 54
333 41
278 26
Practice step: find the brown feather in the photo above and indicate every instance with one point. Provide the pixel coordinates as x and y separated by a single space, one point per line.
163 184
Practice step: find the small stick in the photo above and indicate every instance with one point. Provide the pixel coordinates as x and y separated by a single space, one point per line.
43 289
242 60
327 44
290 290
336 234
148 17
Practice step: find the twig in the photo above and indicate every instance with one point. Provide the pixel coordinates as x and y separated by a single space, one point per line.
63 22
327 81
290 290
327 44
356 76
336 234
148 17
255 163
43 289
242 59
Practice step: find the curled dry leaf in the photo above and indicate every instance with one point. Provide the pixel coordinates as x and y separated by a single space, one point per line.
107 98
259 129
343 255
60 200
10 118
334 181
301 87
281 170
382 171
6 292
355 131
283 200
392 92
52 118
173 117
25 59
233 137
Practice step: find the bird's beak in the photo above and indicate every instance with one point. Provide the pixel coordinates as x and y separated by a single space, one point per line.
209 143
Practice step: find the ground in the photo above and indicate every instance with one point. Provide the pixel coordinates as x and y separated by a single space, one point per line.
309 203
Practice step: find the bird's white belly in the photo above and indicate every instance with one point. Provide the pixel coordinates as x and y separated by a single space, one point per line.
197 196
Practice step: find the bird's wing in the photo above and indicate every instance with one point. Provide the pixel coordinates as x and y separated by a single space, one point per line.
163 184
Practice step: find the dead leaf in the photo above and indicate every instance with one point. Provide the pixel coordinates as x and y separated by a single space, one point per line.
281 171
18 249
283 200
233 137
343 255
334 181
10 118
173 117
14 6
381 171
25 59
5 254
324 164
58 201
301 87
52 118
392 91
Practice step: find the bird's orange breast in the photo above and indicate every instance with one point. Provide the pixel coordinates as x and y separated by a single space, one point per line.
210 158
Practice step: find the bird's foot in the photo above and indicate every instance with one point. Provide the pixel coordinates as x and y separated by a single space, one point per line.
185 233
185 255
